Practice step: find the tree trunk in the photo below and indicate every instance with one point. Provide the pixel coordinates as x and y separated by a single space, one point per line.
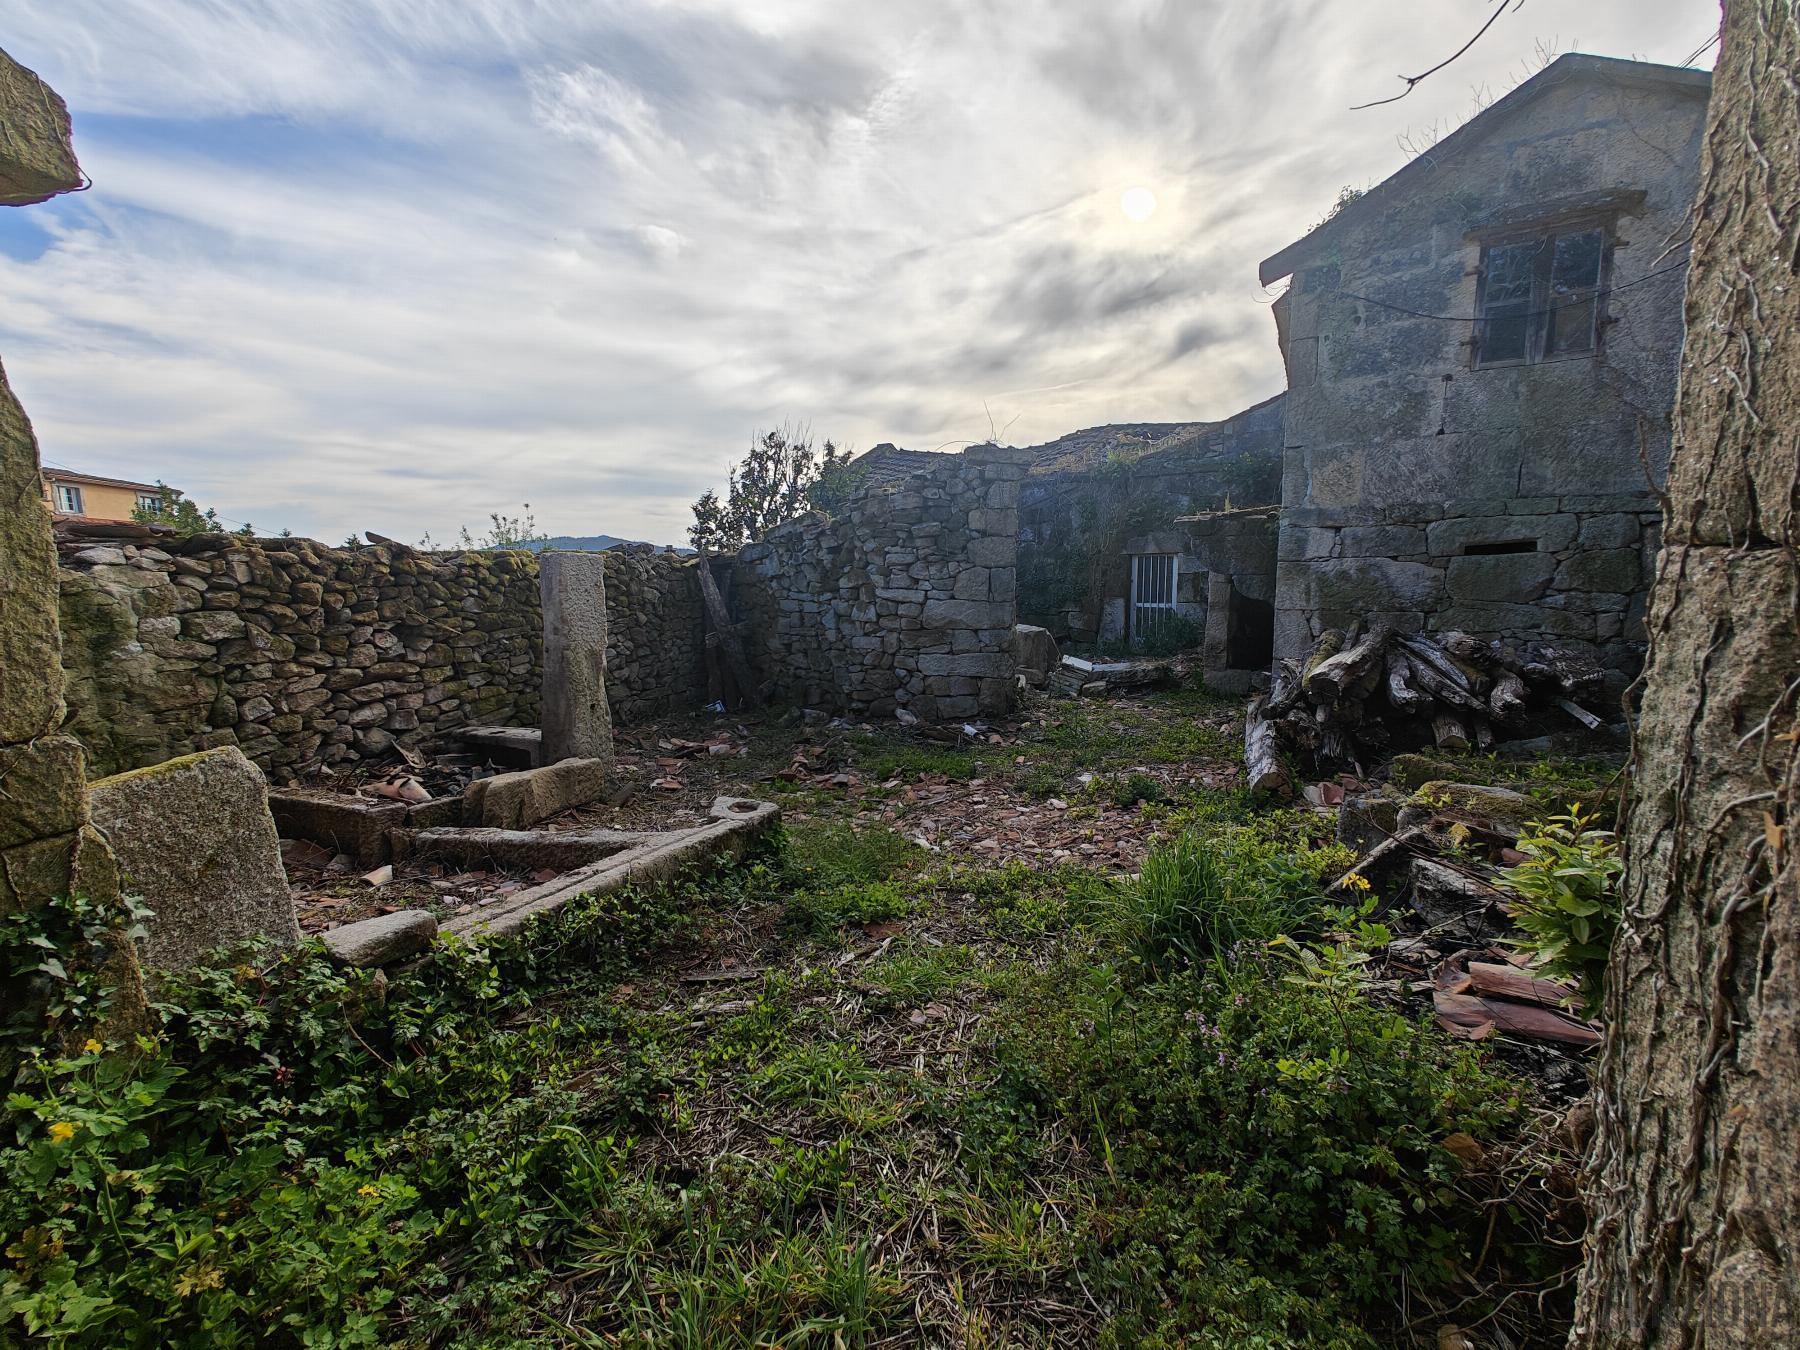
1695 1176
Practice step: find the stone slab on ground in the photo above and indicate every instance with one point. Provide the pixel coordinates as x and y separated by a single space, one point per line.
193 837
514 801
522 745
736 823
342 823
383 940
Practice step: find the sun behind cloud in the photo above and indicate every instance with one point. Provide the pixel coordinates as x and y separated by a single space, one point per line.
1138 203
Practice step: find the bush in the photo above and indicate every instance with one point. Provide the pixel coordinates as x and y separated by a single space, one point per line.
1566 898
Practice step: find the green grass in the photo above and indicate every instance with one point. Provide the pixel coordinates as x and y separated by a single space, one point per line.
1044 1112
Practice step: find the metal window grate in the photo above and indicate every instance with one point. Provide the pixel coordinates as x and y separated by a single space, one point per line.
1152 595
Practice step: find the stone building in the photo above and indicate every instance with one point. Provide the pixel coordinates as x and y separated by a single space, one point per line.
1124 529
1481 357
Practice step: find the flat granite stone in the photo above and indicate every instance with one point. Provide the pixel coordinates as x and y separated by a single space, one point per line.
382 940
193 837
514 801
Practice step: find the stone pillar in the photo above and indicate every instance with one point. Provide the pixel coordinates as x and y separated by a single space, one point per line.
576 721
1215 651
48 847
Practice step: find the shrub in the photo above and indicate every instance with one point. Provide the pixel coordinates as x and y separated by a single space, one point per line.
1566 898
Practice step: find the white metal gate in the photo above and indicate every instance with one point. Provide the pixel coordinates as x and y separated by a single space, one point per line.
1152 595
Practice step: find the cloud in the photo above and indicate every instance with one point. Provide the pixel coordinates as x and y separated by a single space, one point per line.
400 263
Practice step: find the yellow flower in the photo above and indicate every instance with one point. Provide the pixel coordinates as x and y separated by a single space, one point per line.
368 1190
62 1131
1356 881
93 1047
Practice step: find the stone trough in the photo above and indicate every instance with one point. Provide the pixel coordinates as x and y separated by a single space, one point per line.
599 862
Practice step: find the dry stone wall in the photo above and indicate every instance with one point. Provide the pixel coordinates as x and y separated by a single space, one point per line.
906 599
655 646
302 654
297 653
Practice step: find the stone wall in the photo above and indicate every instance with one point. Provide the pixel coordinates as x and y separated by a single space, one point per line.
297 653
1081 518
48 844
906 599
655 644
302 654
1410 471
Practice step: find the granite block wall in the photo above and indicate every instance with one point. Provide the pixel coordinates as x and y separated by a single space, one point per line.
655 645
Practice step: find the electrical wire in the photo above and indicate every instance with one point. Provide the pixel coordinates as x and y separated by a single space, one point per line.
1530 314
1699 51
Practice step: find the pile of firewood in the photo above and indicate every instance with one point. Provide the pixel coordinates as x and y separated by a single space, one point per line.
1357 696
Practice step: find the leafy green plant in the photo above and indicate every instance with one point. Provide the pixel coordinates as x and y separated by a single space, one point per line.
1135 788
56 958
1566 898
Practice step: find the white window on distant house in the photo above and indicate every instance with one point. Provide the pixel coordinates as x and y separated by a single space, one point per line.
149 501
1540 296
1152 594
68 499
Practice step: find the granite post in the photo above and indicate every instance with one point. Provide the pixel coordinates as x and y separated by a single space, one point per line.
576 721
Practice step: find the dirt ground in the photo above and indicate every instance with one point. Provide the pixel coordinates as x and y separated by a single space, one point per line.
1060 781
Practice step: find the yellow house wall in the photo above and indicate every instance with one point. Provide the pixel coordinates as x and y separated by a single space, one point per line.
103 503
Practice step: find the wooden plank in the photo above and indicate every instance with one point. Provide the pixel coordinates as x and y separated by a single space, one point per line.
736 663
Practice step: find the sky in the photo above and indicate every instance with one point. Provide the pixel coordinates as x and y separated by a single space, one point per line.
397 264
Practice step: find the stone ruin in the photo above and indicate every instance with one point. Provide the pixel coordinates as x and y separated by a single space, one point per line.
202 669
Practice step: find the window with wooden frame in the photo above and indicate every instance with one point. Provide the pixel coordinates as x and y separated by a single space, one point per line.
68 499
1540 296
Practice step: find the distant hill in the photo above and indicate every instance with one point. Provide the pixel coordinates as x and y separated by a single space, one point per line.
585 543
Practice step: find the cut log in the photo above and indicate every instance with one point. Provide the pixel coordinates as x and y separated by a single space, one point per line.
1330 643
1400 692
1262 755
1449 733
736 663
1327 680
1437 673
1284 690
1484 732
1506 700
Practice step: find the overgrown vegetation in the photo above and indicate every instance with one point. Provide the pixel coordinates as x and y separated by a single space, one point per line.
851 1093
782 475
